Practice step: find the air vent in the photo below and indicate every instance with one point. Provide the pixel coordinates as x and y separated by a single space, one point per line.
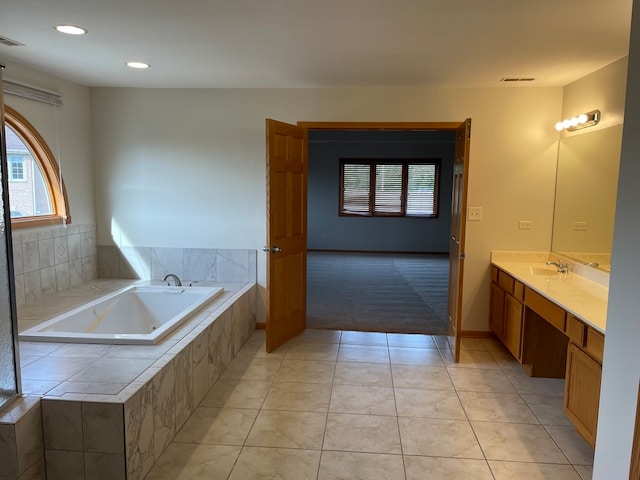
10 43
517 79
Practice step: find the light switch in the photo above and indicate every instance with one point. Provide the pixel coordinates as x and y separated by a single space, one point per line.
474 214
525 225
580 226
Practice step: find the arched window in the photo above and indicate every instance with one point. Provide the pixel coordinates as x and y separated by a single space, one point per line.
37 195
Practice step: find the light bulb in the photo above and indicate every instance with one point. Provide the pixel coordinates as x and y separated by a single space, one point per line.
566 123
559 126
583 118
574 121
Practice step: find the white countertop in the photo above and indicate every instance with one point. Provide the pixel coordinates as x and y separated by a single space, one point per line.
583 298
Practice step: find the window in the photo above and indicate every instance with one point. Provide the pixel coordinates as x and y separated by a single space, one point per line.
396 188
16 168
36 193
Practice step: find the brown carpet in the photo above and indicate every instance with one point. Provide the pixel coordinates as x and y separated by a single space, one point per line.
393 293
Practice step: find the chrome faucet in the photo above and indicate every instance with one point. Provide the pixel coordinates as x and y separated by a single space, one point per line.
562 267
176 279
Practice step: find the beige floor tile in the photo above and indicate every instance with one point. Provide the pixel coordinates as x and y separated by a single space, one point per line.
186 461
364 338
527 385
479 380
415 356
247 368
497 407
221 426
517 442
301 397
410 340
274 428
440 468
369 466
362 400
438 438
362 433
317 336
313 351
363 353
548 409
257 349
421 376
577 450
501 355
258 463
532 471
442 342
414 402
306 371
476 344
237 394
361 373
585 471
476 359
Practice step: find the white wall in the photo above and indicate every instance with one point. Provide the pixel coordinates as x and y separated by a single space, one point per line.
621 368
67 131
187 167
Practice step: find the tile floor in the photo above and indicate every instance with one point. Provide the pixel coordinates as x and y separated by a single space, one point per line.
361 405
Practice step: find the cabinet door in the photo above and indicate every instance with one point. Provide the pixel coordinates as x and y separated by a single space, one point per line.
512 334
582 392
496 311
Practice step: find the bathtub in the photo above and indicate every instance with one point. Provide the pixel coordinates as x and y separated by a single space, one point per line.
139 315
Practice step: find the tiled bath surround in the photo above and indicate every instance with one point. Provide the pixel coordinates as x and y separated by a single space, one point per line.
52 260
110 410
74 422
202 264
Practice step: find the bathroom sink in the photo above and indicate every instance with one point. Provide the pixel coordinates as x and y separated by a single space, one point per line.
545 272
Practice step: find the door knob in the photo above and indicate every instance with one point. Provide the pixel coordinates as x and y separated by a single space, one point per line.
271 250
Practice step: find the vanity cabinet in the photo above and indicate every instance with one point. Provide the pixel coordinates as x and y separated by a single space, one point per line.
507 310
550 342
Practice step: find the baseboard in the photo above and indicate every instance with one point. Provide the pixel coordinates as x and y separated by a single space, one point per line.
476 334
375 251
261 326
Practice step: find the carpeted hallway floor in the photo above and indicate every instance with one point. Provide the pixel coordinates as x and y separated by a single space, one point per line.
393 293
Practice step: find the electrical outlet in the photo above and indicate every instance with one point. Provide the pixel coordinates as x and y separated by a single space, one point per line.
474 214
525 225
580 226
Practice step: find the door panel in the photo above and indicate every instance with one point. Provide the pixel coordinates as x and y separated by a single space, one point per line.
286 232
458 223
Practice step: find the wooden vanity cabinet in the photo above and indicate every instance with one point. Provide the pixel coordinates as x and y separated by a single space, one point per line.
550 342
506 310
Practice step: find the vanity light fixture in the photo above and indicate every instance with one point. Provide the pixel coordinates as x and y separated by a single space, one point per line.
583 120
70 29
138 65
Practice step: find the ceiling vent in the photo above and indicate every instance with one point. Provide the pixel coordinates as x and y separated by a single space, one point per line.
10 43
517 79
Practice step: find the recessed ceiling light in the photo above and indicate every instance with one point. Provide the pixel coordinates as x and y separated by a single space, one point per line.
139 65
70 29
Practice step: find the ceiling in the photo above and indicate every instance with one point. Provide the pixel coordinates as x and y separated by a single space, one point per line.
317 43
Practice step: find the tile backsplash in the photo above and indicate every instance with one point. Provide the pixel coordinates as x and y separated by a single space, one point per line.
190 264
52 260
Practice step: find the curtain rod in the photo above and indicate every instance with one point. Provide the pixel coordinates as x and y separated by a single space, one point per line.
32 92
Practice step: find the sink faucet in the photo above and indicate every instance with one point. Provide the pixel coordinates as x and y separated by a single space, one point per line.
562 267
176 279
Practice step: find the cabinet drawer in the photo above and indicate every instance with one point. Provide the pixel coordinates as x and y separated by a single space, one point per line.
576 330
595 344
506 281
494 274
545 308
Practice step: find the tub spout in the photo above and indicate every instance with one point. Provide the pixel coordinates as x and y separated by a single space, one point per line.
176 279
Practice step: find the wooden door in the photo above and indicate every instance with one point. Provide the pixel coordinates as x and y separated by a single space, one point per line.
456 247
286 247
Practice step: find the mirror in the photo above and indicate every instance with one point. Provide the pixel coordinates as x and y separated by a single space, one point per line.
586 189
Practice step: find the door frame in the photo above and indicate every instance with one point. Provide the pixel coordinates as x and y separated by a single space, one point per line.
381 126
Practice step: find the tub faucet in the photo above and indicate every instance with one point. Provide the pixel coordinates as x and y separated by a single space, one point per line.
176 279
562 267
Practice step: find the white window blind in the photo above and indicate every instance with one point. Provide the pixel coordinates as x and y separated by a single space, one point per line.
356 187
389 188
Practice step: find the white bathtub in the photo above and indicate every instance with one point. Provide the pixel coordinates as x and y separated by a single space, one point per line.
141 315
